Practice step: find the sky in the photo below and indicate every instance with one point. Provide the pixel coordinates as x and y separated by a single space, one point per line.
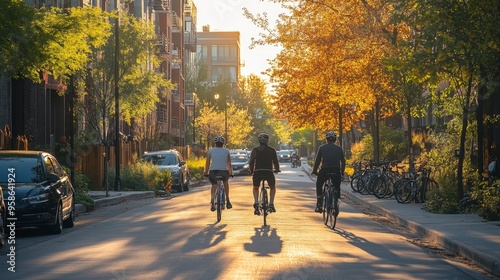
227 15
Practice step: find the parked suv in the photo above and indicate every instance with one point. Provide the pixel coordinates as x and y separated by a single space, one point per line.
173 161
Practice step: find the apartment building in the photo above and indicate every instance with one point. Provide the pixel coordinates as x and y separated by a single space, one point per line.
220 52
37 110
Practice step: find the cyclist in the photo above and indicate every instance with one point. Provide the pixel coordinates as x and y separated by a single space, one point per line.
295 159
332 160
219 163
262 160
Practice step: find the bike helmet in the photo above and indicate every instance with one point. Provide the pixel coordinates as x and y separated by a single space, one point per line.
263 138
330 135
219 139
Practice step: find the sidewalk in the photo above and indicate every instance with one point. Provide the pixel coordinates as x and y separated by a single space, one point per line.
465 234
100 199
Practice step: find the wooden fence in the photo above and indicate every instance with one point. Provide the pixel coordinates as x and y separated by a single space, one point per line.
9 143
90 159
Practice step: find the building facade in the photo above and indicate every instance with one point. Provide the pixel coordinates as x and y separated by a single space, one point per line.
39 112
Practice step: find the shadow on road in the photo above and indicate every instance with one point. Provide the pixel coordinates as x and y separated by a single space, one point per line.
265 242
210 236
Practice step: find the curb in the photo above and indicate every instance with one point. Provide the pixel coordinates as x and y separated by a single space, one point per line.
106 201
485 261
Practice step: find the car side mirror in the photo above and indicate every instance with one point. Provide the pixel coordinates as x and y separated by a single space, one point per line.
52 177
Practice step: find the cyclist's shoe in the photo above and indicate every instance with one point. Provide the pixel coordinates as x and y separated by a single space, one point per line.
212 207
271 208
318 208
256 209
229 205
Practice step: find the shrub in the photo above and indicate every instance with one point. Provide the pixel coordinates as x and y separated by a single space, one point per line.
488 197
81 185
143 176
442 201
196 167
440 160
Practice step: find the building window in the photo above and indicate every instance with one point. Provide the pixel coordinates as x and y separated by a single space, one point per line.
224 54
201 52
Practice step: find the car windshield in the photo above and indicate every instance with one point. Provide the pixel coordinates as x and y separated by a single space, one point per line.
284 153
25 170
161 159
239 158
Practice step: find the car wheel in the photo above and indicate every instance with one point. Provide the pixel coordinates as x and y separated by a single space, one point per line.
70 221
180 188
2 229
188 182
58 227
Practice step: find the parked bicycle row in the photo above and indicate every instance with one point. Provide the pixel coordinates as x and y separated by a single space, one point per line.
391 180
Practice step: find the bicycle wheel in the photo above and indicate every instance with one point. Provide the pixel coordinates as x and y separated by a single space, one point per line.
354 181
333 210
379 187
409 191
219 195
361 184
324 207
263 204
398 190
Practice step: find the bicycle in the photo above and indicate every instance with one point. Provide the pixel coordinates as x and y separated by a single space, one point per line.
263 202
220 196
330 202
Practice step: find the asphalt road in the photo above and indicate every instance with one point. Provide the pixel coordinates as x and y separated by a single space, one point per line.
179 238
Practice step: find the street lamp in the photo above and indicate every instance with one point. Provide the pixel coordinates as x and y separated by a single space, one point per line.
216 96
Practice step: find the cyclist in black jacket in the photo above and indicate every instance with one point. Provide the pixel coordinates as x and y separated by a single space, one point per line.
332 160
262 160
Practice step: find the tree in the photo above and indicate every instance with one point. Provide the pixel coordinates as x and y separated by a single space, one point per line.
457 42
57 42
140 85
22 41
329 73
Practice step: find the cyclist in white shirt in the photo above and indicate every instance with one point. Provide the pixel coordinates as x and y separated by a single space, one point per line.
219 163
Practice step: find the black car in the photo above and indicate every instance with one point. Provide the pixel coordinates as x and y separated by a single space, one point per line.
41 190
3 213
240 164
173 161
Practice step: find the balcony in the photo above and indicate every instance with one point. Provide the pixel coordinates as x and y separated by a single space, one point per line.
162 115
163 44
176 59
190 40
176 23
161 5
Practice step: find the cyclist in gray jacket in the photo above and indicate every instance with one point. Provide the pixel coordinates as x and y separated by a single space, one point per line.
219 163
332 160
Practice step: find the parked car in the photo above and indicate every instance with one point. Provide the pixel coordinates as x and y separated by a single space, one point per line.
42 191
173 161
240 165
284 155
3 213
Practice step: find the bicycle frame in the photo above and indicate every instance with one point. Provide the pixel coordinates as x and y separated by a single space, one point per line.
220 197
330 202
264 200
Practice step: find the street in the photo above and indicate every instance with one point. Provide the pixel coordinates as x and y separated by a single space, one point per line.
179 238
